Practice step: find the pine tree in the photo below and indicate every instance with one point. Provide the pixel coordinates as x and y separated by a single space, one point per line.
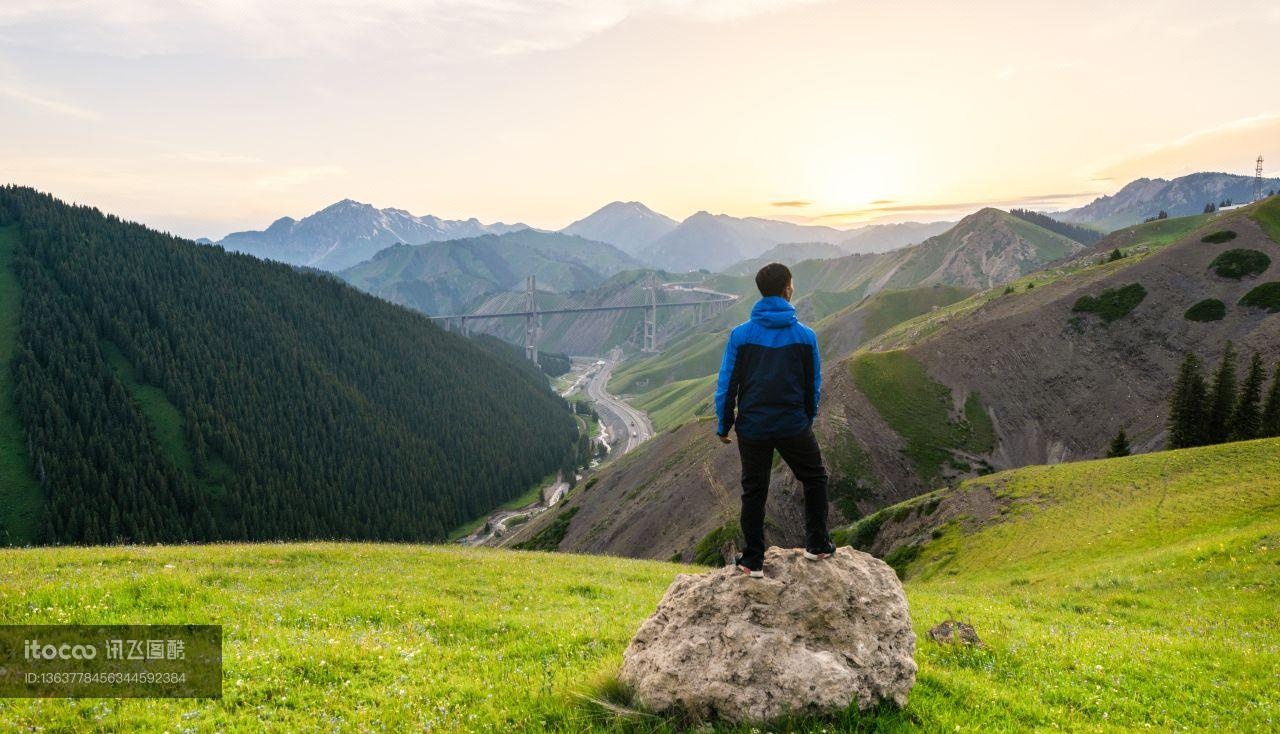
1271 413
1222 399
1187 406
1119 446
1116 255
1246 420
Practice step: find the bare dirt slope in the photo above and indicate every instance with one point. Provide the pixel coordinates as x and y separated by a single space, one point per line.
661 500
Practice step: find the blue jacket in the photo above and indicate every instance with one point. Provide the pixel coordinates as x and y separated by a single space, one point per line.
771 373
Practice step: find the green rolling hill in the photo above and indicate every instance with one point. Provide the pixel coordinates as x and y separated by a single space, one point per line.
450 277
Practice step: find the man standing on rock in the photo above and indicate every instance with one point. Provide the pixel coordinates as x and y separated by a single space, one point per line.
772 373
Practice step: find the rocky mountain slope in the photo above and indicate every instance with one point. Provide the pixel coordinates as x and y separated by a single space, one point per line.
627 225
350 232
1182 196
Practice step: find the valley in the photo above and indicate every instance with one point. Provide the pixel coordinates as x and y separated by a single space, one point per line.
623 429
627 426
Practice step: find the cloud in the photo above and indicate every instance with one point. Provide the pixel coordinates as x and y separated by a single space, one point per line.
213 156
796 203
296 176
25 96
273 29
1231 146
205 194
884 209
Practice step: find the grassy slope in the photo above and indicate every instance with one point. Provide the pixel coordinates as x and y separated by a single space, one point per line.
678 402
919 410
20 497
886 309
1141 590
166 422
1124 594
1267 215
1140 241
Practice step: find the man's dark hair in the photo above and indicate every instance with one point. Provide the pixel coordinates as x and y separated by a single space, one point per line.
772 279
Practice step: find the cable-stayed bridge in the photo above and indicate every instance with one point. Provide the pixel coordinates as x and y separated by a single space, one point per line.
709 303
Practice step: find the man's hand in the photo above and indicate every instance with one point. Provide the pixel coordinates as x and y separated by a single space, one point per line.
724 439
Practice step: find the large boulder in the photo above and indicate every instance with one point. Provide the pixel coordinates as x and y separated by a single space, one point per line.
811 637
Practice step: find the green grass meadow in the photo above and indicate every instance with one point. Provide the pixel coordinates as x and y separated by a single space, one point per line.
1135 594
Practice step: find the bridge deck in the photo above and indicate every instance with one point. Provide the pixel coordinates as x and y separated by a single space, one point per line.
584 309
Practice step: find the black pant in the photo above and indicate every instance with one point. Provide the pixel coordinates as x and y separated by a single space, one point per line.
803 456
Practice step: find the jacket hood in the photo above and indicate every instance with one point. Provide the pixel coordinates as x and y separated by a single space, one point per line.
773 312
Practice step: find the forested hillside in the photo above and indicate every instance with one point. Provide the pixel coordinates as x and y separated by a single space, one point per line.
163 391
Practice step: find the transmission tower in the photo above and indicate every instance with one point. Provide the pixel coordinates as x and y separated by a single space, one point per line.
1257 181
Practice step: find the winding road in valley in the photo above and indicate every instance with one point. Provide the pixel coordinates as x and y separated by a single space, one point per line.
624 427
628 427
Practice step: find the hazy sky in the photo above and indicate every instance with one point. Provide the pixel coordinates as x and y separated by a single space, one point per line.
203 117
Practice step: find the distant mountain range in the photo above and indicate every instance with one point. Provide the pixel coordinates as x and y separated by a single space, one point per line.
884 237
1147 197
715 241
788 253
349 232
448 277
628 225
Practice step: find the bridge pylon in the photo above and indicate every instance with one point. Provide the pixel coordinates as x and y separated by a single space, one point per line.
651 316
530 320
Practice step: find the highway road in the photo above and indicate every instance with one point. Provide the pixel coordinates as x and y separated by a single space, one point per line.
625 428
628 427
